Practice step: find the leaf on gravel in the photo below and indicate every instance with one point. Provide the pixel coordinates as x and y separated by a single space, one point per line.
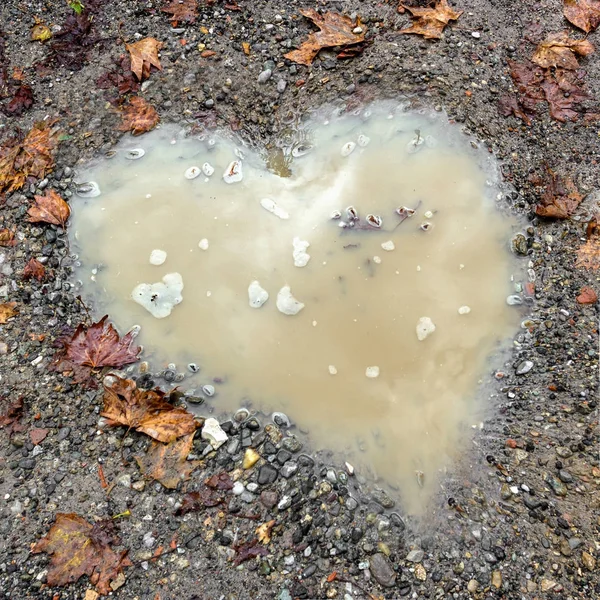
38 435
31 156
220 481
167 463
264 532
21 101
430 22
182 10
11 416
249 551
558 50
509 105
144 56
99 345
7 238
138 116
7 310
49 208
195 501
40 32
587 295
588 254
563 93
78 548
584 14
145 410
334 30
34 269
559 199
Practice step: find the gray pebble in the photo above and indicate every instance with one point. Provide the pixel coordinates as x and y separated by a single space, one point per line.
265 76
281 85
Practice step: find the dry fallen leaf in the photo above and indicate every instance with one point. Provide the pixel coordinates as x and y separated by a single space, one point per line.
49 208
144 55
7 310
334 30
34 269
182 10
587 295
584 14
138 116
7 238
559 199
167 463
264 532
588 254
145 411
78 548
11 416
22 99
40 32
99 345
558 50
430 22
248 551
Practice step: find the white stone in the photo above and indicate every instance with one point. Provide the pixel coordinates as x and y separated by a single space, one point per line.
372 372
159 298
257 296
157 257
464 310
233 173
212 433
332 370
388 246
428 214
348 149
286 303
425 327
192 173
208 169
301 257
377 260
272 207
363 140
203 244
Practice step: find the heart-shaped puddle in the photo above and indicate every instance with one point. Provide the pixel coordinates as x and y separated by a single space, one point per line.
400 310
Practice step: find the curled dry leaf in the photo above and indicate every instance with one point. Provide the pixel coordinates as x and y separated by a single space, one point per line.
584 14
79 548
559 199
145 411
7 310
220 481
430 22
49 208
334 30
40 32
558 50
248 551
144 56
34 269
7 238
182 10
587 295
196 501
138 116
167 463
99 345
264 532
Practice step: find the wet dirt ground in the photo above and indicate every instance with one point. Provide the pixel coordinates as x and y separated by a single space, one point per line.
517 515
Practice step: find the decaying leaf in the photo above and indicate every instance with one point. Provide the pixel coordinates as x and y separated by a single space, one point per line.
587 295
144 56
49 208
78 548
167 463
11 415
584 14
138 116
196 501
334 30
34 269
182 10
99 345
264 532
220 481
7 238
145 410
559 199
588 254
509 105
22 99
430 22
31 156
40 32
558 50
7 310
249 551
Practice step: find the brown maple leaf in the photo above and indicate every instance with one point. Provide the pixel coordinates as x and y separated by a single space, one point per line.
79 548
248 551
49 208
563 92
7 238
558 50
182 10
144 56
11 416
334 30
34 269
7 310
559 199
584 14
197 501
99 345
22 99
145 410
138 116
509 105
430 22
167 463
588 254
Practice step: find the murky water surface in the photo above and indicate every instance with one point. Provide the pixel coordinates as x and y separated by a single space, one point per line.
344 344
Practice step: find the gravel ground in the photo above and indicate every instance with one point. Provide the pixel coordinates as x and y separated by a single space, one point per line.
518 517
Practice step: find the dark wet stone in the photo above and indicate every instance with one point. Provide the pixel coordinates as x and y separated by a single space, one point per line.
228 427
306 461
292 444
382 498
309 570
252 424
565 476
356 534
267 474
283 456
381 570
27 463
269 448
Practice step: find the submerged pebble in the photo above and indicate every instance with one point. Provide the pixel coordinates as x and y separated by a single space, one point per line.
89 189
233 173
272 207
157 257
332 370
372 372
425 328
208 169
286 303
348 149
160 298
363 140
301 257
388 246
134 153
257 296
203 244
464 310
192 173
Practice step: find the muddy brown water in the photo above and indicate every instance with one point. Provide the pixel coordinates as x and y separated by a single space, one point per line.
349 365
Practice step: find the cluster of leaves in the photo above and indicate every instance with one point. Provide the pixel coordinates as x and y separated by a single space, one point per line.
559 197
430 22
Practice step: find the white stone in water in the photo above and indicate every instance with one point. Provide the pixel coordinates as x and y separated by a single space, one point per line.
348 148
415 144
363 140
332 370
464 310
300 255
192 173
157 257
203 244
160 298
425 328
428 214
377 260
372 372
286 303
272 207
388 246
213 434
257 296
208 169
233 173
